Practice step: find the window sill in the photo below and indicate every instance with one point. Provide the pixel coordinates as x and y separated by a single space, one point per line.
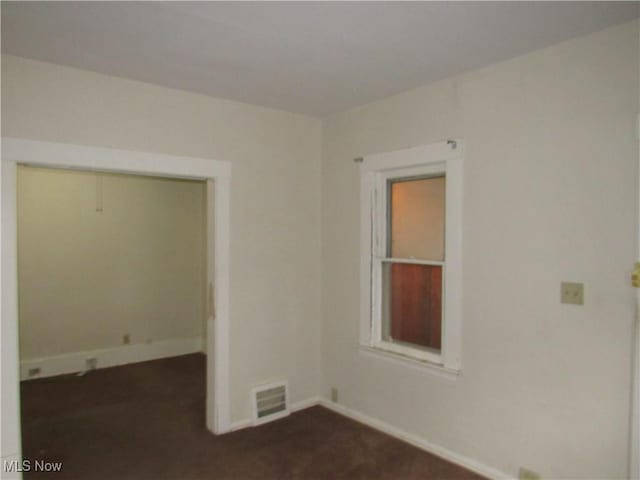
423 365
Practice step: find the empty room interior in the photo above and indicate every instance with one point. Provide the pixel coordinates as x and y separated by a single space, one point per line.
320 240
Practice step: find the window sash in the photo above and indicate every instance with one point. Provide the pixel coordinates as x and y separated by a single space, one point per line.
393 180
402 348
428 160
381 240
412 261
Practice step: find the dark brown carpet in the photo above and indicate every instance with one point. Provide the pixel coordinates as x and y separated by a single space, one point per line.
146 421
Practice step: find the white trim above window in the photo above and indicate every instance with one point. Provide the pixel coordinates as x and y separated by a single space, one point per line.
376 173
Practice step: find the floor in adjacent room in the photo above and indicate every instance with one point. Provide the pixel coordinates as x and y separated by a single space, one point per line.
146 421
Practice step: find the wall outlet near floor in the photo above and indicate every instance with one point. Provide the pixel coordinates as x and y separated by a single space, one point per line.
572 293
91 363
334 394
126 339
526 474
34 371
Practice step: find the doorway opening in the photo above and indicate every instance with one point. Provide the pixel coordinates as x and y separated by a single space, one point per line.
101 163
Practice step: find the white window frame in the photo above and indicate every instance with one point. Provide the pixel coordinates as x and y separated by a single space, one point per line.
443 158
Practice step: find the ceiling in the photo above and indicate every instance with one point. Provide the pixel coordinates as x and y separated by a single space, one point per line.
308 57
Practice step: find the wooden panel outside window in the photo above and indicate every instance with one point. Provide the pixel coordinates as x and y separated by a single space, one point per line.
414 311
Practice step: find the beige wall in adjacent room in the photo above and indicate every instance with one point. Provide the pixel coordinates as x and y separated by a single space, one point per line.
275 198
102 256
550 194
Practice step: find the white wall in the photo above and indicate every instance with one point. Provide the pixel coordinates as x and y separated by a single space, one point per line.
550 195
550 188
275 204
89 277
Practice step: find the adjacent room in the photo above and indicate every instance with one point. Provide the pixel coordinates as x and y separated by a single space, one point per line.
107 262
320 240
111 271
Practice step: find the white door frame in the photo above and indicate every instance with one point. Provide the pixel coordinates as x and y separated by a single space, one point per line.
634 440
59 155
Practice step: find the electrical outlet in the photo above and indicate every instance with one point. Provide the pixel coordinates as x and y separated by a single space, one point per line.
526 474
334 394
34 371
635 274
126 339
572 293
91 363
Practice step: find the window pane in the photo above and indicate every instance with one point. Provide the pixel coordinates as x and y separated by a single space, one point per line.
412 304
417 218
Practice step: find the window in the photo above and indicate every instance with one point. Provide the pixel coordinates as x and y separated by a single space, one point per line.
411 253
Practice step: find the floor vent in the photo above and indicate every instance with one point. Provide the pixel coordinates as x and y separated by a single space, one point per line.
270 402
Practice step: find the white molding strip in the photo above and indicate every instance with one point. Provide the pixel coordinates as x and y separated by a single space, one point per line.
416 441
410 438
109 357
294 407
84 157
309 402
241 424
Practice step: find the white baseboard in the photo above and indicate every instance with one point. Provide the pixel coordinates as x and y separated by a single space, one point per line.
416 441
109 357
294 407
302 404
240 425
